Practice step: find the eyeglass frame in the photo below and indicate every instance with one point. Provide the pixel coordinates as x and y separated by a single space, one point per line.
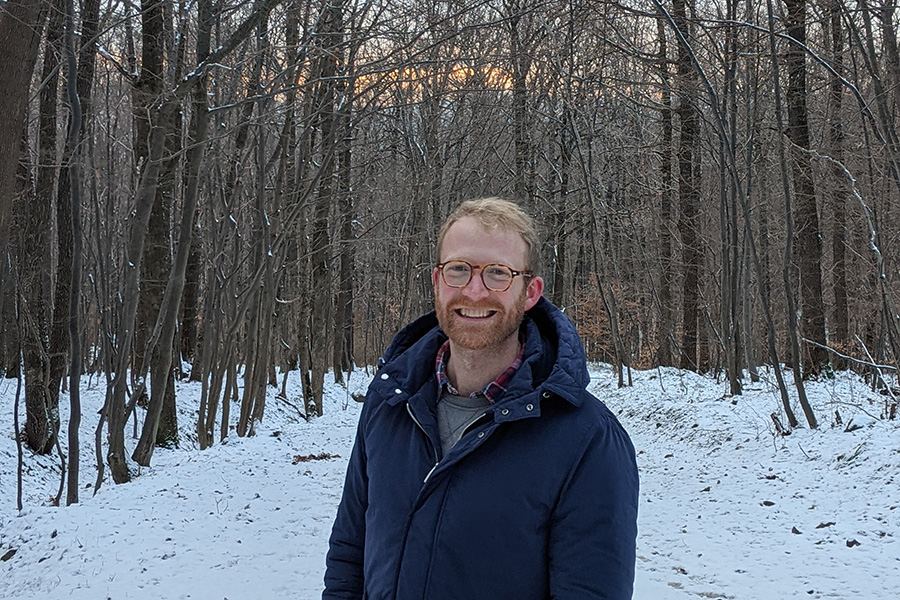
515 273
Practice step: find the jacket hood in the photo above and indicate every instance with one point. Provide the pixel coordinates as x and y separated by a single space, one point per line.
553 360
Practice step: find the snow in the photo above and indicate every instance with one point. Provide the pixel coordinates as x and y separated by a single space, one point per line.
728 508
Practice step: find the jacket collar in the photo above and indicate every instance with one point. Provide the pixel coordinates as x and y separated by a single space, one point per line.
553 364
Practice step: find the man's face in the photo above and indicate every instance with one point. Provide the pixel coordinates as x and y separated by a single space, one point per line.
474 317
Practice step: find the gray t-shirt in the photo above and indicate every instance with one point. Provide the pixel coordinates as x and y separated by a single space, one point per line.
455 414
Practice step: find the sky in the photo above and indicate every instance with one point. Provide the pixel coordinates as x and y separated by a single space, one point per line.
728 508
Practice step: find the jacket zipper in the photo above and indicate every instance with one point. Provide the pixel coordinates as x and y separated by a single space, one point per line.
433 449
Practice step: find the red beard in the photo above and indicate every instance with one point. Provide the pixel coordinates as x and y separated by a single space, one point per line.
479 334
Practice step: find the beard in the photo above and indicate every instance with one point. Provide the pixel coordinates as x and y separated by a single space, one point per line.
473 335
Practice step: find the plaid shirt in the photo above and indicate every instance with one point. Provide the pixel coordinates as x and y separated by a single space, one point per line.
492 391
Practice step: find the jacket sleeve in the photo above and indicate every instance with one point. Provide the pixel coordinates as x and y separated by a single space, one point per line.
593 529
344 561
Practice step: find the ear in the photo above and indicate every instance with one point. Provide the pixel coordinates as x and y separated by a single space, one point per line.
533 292
435 277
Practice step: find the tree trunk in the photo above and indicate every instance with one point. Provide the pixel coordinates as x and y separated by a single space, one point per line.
809 239
329 58
41 404
168 316
840 327
263 296
666 354
116 410
561 216
521 65
65 194
145 95
747 314
729 226
9 346
787 264
688 192
19 43
190 311
343 335
158 262
79 79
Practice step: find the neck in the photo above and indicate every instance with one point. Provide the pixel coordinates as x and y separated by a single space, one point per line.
471 371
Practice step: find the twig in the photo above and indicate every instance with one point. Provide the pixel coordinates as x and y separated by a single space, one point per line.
850 358
292 405
779 428
659 376
346 402
857 407
880 374
17 434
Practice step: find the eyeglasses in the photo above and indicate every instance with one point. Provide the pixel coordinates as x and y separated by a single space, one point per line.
496 277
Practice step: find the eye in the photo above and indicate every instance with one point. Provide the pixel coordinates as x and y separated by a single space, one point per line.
497 272
457 267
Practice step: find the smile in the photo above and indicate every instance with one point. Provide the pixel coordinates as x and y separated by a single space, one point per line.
475 313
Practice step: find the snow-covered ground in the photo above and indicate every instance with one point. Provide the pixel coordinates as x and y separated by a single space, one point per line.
728 508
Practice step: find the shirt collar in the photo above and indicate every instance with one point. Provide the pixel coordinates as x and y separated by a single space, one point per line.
493 390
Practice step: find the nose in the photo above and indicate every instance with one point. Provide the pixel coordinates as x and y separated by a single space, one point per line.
475 289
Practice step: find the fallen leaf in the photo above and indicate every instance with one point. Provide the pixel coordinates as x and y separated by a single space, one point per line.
310 457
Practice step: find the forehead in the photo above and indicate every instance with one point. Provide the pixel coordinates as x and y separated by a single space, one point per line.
467 239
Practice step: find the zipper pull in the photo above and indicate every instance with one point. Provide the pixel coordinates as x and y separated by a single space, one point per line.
430 472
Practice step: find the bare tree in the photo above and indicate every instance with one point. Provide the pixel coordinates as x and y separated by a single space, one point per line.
330 56
168 313
42 405
729 227
75 77
838 194
794 79
688 189
809 237
666 351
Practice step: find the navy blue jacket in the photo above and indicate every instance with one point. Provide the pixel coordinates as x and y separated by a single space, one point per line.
537 501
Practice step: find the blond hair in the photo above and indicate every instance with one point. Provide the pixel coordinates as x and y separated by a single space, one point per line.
497 213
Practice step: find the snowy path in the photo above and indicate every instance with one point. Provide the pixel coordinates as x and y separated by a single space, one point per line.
242 520
730 511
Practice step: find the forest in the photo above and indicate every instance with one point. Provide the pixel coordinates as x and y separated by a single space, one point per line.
240 192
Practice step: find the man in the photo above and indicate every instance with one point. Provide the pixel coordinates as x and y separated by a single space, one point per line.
482 468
